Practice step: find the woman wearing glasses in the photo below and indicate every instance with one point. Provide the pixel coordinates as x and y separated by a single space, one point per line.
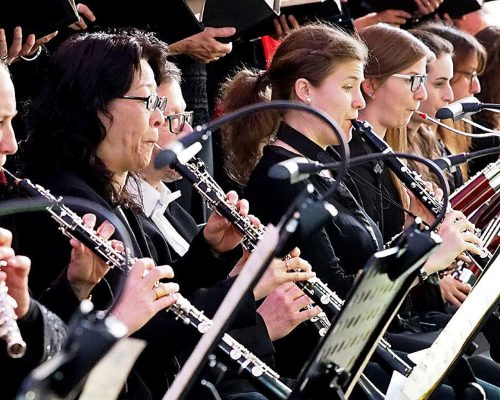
469 61
394 87
323 67
94 128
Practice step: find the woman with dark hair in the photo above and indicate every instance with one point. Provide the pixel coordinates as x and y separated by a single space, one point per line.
94 127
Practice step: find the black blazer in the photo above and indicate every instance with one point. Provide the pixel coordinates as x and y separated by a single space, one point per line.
198 273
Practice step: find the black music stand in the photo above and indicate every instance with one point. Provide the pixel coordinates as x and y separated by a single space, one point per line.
341 356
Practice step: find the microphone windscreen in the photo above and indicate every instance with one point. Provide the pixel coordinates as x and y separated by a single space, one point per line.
279 171
444 113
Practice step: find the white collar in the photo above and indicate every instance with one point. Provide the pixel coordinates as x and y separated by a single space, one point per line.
152 197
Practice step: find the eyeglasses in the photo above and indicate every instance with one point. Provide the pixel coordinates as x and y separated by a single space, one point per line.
416 81
176 122
152 101
470 75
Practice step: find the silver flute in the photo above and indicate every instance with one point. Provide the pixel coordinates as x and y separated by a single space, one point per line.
195 171
9 331
246 363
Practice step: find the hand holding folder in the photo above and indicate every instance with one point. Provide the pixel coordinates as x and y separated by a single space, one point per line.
37 17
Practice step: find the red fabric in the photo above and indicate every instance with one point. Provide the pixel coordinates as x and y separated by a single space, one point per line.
3 178
270 46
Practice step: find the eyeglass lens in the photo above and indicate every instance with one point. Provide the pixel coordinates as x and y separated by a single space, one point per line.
416 82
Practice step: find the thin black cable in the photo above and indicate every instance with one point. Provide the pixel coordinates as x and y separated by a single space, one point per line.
202 133
380 156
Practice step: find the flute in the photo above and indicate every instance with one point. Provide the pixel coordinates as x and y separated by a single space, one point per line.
9 331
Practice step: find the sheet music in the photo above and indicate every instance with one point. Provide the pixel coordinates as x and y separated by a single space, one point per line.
449 344
374 295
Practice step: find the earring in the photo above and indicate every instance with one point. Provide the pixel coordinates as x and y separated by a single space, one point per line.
308 100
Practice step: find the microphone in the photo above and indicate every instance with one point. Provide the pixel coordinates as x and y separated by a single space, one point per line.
459 109
90 337
451 161
295 169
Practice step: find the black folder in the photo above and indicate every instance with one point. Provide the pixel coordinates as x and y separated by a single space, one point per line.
37 16
452 7
251 18
321 10
171 20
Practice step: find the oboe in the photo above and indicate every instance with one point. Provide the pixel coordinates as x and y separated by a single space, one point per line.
9 331
195 171
411 180
71 225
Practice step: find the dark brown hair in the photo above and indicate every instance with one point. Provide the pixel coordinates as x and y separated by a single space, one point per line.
311 52
88 71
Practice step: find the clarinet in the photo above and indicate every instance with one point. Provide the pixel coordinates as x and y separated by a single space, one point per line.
411 180
196 172
204 183
9 331
71 225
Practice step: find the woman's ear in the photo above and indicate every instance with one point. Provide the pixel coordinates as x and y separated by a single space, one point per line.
302 89
369 87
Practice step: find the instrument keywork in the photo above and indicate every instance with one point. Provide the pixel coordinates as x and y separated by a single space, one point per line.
234 353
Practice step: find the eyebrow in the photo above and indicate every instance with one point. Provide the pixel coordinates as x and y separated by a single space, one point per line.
148 85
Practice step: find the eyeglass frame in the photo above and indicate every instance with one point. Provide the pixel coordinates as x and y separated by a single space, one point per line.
188 118
159 102
470 75
412 79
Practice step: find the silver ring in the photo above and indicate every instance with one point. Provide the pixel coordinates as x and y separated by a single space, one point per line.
216 58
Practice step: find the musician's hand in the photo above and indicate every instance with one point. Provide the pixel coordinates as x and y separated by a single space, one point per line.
281 310
85 269
458 236
16 269
417 207
143 296
279 272
204 46
221 234
453 291
83 11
